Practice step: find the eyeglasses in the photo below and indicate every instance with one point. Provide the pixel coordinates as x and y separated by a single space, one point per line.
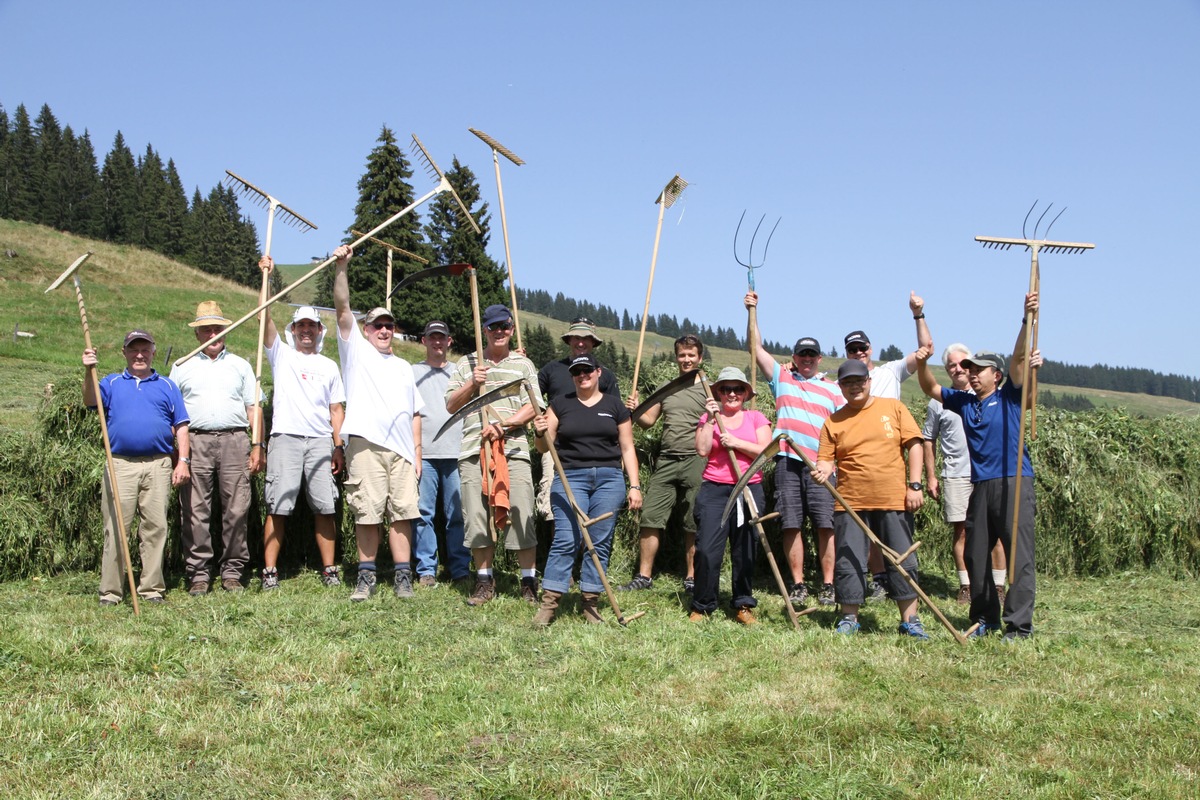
578 371
582 321
387 326
857 348
500 326
731 389
808 353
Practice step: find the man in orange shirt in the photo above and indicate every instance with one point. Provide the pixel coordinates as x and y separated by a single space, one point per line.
865 442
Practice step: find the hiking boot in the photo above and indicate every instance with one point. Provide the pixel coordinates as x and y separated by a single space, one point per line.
689 585
639 582
588 608
745 616
330 577
913 628
827 596
154 600
799 594
982 632
485 591
108 601
402 583
529 590
847 625
198 587
427 581
964 595
546 611
231 584
697 616
270 579
876 591
364 587
1012 637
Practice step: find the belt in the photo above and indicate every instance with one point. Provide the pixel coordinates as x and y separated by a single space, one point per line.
218 430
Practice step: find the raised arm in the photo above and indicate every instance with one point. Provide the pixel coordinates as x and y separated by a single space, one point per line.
924 339
1016 365
341 292
929 384
764 360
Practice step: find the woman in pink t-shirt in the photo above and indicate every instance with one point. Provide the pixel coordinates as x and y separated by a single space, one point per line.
747 432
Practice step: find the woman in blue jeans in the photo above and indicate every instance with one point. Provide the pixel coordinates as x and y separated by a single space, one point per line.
593 436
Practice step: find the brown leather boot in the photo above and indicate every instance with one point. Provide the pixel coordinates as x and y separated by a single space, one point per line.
588 608
546 611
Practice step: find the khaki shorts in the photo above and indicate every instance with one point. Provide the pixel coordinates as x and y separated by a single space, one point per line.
956 494
674 483
521 531
380 485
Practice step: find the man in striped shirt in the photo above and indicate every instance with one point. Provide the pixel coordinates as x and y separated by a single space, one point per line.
803 401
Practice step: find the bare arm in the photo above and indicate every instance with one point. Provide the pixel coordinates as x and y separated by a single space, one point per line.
89 386
704 433
914 498
929 451
649 416
1016 366
337 415
764 360
341 292
924 339
630 462
266 264
545 428
182 473
929 384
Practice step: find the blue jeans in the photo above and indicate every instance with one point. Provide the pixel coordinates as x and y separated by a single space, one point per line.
597 490
440 473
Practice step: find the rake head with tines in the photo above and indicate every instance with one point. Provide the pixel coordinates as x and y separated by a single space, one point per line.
389 246
263 200
499 148
671 191
435 172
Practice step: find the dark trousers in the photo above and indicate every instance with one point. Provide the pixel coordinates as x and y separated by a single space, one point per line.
219 467
989 519
894 529
710 546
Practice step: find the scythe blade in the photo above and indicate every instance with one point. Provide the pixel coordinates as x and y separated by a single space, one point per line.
507 390
757 464
666 390
449 270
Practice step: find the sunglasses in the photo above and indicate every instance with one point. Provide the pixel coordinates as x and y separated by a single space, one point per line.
858 348
387 326
808 353
582 321
731 389
578 371
500 326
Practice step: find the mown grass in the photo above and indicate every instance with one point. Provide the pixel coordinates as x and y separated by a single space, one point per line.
302 694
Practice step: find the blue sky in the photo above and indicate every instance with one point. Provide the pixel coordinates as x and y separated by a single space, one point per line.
886 136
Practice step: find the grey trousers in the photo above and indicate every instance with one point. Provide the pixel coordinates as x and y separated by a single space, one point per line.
219 467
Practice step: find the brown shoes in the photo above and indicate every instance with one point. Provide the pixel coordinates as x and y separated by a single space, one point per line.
485 591
964 595
588 608
745 616
697 616
427 581
529 590
545 613
198 587
231 585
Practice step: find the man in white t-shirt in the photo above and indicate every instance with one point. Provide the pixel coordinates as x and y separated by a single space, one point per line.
306 442
383 437
885 382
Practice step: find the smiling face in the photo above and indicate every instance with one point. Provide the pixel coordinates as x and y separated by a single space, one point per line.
731 395
856 389
959 378
688 358
585 378
580 345
860 351
436 345
305 333
205 333
498 335
806 362
139 357
379 333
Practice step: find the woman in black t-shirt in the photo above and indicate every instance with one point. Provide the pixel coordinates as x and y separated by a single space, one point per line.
593 436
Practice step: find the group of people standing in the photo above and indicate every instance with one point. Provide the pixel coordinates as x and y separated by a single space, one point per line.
374 422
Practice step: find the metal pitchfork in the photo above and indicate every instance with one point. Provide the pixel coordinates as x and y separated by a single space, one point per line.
497 151
391 248
1029 385
752 324
263 200
442 186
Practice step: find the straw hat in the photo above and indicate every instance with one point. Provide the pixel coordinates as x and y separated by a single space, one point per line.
209 313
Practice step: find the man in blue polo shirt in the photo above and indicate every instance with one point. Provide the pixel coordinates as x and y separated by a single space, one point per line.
145 415
992 421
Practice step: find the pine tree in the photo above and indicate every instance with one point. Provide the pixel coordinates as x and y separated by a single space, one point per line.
20 169
53 207
383 190
151 191
3 160
454 241
83 186
539 345
119 183
173 212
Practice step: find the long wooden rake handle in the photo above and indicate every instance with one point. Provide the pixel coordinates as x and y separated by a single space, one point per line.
485 462
444 186
637 362
120 533
754 512
888 553
1030 321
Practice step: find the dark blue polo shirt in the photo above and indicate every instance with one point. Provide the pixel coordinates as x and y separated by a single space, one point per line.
992 427
142 413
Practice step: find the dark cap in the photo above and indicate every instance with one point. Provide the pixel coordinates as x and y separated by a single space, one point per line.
134 335
496 313
377 314
436 326
985 358
806 343
857 336
853 368
586 360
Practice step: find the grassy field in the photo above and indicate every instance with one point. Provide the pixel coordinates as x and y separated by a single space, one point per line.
300 693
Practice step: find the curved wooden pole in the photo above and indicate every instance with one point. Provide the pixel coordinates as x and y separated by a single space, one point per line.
485 462
512 284
1030 317
637 363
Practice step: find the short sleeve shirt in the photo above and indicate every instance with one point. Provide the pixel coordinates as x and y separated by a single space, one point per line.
141 414
588 435
992 427
306 385
801 407
945 427
432 383
867 445
216 390
886 378
718 469
511 367
381 396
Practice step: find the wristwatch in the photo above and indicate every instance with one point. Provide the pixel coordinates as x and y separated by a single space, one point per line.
917 487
